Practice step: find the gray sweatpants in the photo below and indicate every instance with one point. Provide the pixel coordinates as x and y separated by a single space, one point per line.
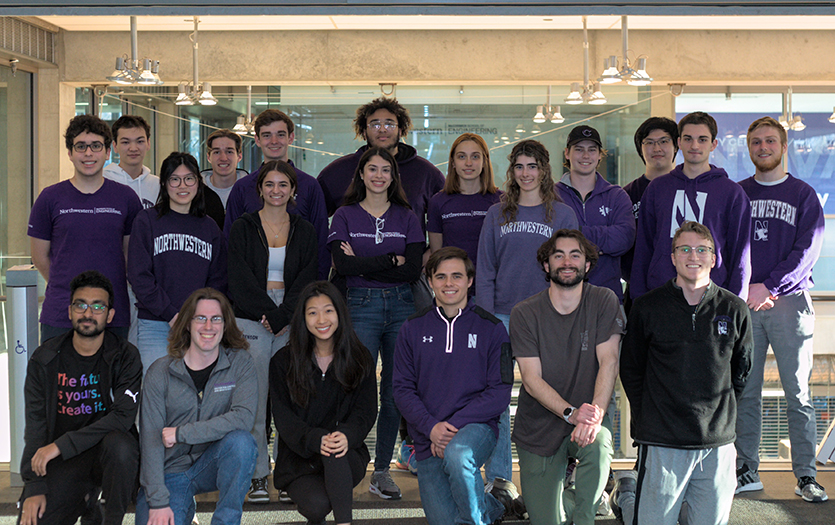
788 328
703 481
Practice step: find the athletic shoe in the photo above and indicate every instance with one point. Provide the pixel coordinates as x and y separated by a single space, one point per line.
747 480
626 481
810 490
508 495
604 508
406 459
283 497
382 485
258 492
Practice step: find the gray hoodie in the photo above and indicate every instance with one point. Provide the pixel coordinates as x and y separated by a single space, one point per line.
169 399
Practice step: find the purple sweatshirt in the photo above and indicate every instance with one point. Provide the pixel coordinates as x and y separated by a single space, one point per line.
420 178
310 206
711 199
86 231
450 370
605 219
172 256
635 190
459 218
787 234
507 270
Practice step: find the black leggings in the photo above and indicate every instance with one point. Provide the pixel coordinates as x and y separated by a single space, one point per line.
332 488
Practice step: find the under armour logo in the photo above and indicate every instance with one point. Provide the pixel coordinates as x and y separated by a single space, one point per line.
132 395
427 339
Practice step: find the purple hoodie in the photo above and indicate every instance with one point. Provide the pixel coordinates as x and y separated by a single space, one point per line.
420 178
711 199
605 219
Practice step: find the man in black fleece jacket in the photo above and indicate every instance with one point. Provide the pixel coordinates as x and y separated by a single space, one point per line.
685 360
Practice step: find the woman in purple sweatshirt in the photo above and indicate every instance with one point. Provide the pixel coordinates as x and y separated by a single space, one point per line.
174 249
457 212
377 243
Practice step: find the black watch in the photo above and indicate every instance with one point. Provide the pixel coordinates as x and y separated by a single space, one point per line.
566 414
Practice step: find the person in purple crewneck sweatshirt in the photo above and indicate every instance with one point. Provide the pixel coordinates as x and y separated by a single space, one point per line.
603 209
693 191
274 133
82 224
786 241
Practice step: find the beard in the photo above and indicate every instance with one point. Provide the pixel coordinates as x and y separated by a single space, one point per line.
88 330
579 276
766 165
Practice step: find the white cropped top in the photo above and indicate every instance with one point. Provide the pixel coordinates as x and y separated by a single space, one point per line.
275 268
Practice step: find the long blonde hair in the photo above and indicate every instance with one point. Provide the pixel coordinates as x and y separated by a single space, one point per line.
453 184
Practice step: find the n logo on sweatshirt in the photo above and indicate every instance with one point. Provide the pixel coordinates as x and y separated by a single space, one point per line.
685 210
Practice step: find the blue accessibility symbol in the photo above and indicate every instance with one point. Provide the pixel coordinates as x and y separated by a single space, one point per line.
19 349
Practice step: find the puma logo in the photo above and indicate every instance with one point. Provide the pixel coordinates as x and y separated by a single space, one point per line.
132 395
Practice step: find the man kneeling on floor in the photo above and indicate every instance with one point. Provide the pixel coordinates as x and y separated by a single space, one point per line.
452 379
81 403
198 406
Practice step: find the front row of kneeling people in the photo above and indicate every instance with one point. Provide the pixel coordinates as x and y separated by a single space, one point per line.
452 379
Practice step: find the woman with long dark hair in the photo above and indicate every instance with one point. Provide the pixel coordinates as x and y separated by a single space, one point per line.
174 249
272 257
323 391
377 243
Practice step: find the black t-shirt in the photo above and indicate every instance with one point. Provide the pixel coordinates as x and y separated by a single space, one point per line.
201 377
81 401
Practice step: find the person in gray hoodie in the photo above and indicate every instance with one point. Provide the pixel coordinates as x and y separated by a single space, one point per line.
198 405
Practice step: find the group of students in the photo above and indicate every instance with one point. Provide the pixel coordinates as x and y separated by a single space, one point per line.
208 282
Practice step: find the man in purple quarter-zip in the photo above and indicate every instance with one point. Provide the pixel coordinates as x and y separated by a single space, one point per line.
453 416
274 132
603 210
786 241
693 191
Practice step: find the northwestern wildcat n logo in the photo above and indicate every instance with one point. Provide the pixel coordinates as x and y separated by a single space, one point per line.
685 210
760 230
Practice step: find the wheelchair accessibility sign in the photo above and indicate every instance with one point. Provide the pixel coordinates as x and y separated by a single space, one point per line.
19 348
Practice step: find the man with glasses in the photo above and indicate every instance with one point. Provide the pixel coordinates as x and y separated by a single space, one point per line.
81 403
382 123
274 134
787 235
693 191
82 224
198 406
684 362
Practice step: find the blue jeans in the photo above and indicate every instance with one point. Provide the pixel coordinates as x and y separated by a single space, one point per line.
225 466
152 339
377 314
500 463
451 489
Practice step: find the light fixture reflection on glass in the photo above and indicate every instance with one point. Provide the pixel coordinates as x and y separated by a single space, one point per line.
520 128
534 130
240 127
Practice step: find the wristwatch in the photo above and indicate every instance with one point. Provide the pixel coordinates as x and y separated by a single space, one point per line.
566 414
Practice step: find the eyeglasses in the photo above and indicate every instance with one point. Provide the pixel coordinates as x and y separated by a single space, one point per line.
201 319
701 251
81 147
388 125
188 180
659 142
378 235
97 308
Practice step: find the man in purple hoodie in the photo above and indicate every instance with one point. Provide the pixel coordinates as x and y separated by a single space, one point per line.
693 191
603 210
382 123
786 241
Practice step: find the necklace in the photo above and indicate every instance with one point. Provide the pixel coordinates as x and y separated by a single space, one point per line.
273 230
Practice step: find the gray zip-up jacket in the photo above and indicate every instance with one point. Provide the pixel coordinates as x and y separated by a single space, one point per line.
169 399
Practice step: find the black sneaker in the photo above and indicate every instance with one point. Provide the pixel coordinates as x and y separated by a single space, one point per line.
508 495
258 492
747 480
810 490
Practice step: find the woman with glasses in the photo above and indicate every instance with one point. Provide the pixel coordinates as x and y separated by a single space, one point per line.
272 257
323 388
377 243
175 249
